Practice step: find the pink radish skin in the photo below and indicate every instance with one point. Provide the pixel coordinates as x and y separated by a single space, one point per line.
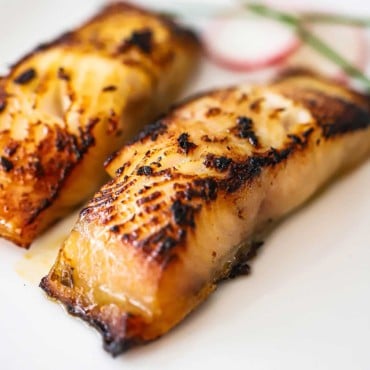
249 43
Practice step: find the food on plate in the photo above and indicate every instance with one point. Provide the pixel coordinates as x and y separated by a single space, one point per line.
190 193
68 104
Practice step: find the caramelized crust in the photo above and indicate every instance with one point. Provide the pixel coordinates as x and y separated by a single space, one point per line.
189 193
71 102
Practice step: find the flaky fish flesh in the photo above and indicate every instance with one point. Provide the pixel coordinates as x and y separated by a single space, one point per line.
70 103
190 193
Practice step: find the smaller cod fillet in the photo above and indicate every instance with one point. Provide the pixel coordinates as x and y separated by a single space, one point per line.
69 104
190 193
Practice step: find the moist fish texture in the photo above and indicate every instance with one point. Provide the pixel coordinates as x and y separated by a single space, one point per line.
190 192
70 103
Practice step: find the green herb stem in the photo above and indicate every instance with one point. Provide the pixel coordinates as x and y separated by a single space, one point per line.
329 53
336 19
312 40
274 14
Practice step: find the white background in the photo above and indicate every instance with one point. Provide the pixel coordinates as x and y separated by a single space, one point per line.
305 306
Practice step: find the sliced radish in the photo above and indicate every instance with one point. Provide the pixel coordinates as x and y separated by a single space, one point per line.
349 42
245 43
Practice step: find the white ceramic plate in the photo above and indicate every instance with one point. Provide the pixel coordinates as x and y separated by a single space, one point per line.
305 306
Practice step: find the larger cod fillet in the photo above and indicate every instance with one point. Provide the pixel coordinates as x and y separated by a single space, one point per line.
70 103
191 191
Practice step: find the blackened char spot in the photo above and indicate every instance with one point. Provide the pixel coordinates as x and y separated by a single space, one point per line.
167 244
295 139
116 347
244 130
60 141
184 143
203 188
239 269
120 170
6 164
144 171
151 131
308 133
86 138
252 138
210 189
25 76
245 123
87 141
144 189
221 164
114 228
2 105
275 156
166 240
142 39
242 172
182 213
254 248
157 164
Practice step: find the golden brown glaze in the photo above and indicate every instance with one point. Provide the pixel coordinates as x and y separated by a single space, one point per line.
71 102
191 190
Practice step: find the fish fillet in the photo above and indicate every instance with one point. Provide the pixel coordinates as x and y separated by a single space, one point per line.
189 194
70 103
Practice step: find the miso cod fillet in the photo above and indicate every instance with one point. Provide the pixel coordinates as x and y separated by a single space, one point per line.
70 103
190 192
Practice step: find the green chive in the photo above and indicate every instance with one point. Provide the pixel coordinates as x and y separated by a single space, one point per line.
336 19
312 40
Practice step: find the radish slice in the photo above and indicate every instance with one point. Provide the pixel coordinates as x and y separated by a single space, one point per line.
249 43
349 42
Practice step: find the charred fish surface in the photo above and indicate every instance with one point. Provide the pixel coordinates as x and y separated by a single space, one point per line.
188 193
70 103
